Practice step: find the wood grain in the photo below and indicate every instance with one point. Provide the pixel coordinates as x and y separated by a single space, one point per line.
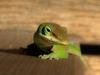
81 18
19 64
20 18
26 65
93 64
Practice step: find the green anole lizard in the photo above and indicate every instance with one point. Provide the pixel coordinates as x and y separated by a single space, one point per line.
55 36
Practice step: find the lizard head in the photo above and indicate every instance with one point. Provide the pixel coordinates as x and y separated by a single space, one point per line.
51 33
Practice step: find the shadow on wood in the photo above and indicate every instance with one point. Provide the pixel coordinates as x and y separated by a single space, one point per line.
23 62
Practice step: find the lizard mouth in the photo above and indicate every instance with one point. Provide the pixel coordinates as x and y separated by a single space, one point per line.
54 40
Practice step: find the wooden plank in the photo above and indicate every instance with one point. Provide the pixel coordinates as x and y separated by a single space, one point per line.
93 64
81 18
13 64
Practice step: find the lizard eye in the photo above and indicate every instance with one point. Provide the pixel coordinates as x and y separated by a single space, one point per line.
43 31
48 29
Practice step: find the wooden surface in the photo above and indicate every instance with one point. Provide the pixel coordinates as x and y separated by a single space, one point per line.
94 64
26 65
81 18
20 18
14 63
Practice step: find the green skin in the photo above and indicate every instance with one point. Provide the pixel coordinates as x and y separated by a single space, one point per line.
51 34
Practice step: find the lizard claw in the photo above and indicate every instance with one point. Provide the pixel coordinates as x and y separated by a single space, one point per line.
48 57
